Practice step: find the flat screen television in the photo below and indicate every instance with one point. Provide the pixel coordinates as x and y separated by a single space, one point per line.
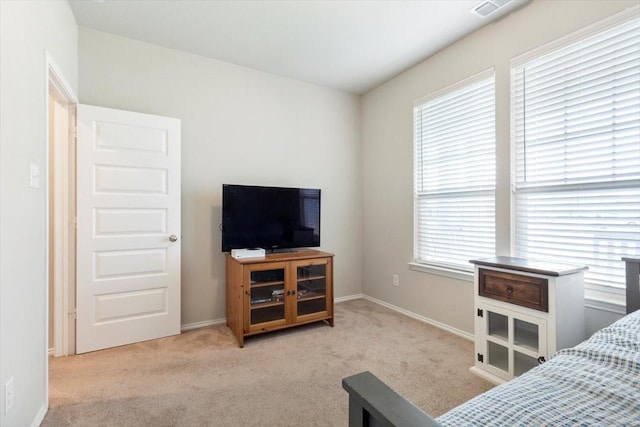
271 218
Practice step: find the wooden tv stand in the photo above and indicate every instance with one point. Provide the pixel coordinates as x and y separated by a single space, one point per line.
278 291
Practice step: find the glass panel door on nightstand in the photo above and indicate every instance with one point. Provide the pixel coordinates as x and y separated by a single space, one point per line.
497 329
266 295
529 342
513 342
311 289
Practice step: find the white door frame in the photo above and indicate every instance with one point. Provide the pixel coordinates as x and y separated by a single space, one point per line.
60 147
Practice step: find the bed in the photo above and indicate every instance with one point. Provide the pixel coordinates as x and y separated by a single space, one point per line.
596 383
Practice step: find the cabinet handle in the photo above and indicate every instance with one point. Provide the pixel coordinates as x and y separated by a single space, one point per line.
288 293
510 290
293 292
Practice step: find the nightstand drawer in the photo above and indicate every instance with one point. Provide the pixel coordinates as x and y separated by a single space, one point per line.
527 291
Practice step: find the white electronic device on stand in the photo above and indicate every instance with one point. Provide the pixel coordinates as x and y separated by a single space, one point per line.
248 253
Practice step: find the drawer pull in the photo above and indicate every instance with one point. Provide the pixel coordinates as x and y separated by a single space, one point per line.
510 290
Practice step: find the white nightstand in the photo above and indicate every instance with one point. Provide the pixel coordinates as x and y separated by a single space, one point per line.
525 311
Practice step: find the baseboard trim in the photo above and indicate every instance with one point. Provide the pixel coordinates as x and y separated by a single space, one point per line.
204 324
458 332
423 319
41 414
218 322
347 298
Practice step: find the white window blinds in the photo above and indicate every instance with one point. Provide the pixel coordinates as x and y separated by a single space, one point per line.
454 137
576 116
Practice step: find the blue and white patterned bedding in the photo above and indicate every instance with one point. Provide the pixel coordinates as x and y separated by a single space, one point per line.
596 383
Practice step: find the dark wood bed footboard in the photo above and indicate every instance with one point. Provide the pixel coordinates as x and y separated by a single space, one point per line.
373 403
633 283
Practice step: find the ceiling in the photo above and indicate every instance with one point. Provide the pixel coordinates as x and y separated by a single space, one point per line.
352 46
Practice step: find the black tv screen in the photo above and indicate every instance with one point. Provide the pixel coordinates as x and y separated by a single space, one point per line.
271 218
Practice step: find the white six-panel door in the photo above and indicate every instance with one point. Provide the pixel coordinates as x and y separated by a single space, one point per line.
128 227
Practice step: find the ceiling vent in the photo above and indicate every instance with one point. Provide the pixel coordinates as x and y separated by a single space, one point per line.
488 7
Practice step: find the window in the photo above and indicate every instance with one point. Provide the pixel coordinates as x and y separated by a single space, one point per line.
310 200
454 137
576 116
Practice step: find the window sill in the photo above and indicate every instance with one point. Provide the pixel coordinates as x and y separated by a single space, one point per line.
442 271
601 301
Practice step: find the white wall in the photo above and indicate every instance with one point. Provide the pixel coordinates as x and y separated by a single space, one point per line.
388 153
26 30
238 126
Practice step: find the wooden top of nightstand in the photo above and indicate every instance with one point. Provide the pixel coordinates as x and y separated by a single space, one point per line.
529 265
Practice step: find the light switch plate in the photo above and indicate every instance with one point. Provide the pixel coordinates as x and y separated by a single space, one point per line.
34 175
8 395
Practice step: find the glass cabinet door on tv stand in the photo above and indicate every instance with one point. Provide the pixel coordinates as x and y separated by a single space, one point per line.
266 295
311 289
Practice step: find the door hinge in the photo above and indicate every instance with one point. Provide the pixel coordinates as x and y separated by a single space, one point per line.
480 312
480 358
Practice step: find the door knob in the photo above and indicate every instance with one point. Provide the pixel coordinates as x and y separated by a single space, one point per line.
173 238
